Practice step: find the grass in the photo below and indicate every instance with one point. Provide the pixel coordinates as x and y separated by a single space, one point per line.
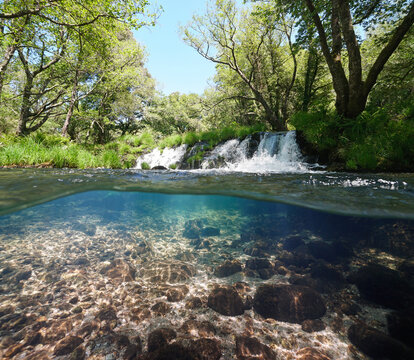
57 151
54 151
374 141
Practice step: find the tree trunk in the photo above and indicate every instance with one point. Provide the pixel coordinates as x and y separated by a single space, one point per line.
25 108
71 104
3 66
352 94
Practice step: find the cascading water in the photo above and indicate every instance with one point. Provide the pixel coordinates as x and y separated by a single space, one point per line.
168 157
276 152
264 153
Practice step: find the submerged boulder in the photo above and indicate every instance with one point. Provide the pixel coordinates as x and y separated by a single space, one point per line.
291 303
205 349
67 345
378 344
120 270
228 268
309 353
226 301
159 338
192 229
167 271
248 348
383 286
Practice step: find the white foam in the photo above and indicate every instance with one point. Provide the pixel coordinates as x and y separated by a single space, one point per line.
167 157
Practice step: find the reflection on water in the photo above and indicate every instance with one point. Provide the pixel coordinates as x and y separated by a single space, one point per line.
112 275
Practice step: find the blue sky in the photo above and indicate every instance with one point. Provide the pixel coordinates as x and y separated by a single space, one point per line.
175 65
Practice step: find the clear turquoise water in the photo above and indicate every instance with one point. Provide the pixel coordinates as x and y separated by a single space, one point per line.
61 230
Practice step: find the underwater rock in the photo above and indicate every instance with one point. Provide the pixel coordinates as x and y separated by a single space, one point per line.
401 326
228 268
67 345
171 352
248 348
193 303
107 313
226 301
87 229
164 271
327 251
176 293
78 354
192 229
120 270
383 286
292 242
23 275
160 337
210 231
143 247
378 344
198 328
258 263
205 349
350 308
291 303
407 267
311 326
299 257
309 353
161 308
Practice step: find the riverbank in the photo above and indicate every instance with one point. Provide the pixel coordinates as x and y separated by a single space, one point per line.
318 144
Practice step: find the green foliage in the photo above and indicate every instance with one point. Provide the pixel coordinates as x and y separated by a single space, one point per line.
196 157
171 141
146 140
110 159
145 166
372 141
190 138
173 166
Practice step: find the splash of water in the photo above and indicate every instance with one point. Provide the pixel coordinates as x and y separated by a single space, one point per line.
274 153
166 158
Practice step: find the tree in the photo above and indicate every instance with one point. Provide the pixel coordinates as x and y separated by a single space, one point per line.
255 56
335 22
26 26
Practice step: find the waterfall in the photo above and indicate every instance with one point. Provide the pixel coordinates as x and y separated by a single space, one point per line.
258 153
166 158
277 152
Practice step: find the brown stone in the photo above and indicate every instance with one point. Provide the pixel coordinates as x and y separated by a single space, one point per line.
160 337
249 348
67 345
107 312
311 354
313 325
226 301
198 328
206 349
228 268
177 293
119 269
161 308
194 303
291 303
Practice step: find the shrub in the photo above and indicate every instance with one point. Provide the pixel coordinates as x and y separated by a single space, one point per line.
146 140
227 133
190 138
110 159
171 141
173 166
145 166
